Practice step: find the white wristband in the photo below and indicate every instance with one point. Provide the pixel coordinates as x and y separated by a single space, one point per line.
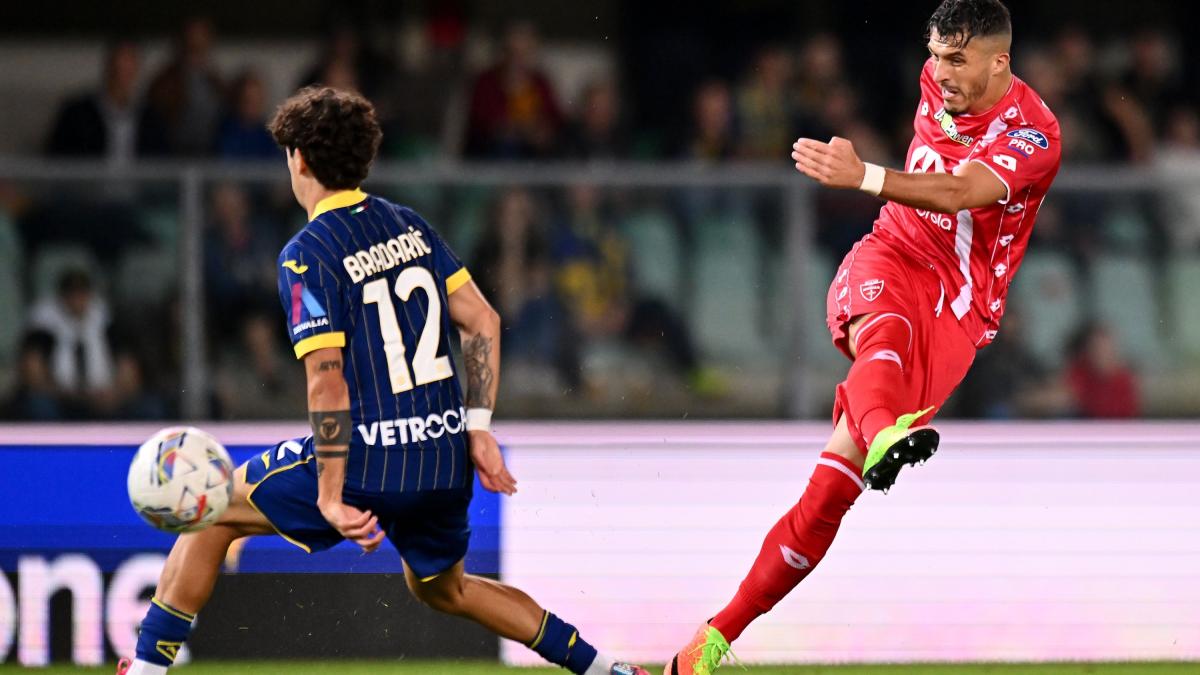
479 419
872 181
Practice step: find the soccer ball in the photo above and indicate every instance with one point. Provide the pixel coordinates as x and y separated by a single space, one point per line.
181 480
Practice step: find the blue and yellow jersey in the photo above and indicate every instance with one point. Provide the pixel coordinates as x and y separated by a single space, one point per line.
374 278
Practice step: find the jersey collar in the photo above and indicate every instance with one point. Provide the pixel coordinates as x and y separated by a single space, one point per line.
338 200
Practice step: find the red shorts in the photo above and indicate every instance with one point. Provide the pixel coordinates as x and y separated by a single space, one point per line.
878 277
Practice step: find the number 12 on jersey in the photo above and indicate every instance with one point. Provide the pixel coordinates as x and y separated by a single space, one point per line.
427 366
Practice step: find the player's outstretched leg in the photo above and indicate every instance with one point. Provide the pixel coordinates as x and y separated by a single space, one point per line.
512 614
187 583
790 551
880 397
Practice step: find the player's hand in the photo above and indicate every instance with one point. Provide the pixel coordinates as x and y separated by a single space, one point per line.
834 164
485 453
358 526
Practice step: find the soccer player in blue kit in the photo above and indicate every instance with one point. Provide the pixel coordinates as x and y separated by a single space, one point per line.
371 295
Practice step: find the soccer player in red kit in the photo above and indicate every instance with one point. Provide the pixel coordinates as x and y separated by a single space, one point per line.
915 298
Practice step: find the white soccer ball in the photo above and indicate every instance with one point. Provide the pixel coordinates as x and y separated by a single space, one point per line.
181 480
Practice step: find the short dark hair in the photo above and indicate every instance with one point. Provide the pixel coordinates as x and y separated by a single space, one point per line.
957 21
335 130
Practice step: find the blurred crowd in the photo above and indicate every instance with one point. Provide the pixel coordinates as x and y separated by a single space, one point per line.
598 287
1119 100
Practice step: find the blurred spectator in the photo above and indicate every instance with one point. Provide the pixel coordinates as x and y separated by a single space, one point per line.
110 122
254 379
821 73
597 132
1102 383
1068 81
512 266
1008 382
765 107
35 396
712 136
1154 77
243 133
1180 156
514 112
78 321
239 258
346 62
713 139
187 93
425 109
594 276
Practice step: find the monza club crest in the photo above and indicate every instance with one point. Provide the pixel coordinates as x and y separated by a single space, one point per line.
871 289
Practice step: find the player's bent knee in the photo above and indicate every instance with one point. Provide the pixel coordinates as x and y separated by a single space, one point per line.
241 516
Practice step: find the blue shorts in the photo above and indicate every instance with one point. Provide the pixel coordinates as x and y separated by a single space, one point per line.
428 528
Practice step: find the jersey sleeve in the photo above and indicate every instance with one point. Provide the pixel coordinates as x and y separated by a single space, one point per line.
446 264
1022 157
313 301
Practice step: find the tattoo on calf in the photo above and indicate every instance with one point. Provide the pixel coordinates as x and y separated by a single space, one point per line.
476 353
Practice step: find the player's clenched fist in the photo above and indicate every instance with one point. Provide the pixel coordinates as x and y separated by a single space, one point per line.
485 453
834 164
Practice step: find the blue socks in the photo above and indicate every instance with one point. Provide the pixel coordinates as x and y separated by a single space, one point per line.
559 643
164 630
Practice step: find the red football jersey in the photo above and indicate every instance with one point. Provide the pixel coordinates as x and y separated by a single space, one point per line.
976 252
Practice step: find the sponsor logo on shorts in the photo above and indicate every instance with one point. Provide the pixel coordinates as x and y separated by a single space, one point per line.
1014 208
1006 240
871 289
1000 269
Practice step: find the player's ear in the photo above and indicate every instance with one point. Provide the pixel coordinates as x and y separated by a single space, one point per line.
301 165
1001 63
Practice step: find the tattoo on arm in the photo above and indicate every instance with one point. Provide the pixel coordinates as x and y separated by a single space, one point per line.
476 352
329 365
331 432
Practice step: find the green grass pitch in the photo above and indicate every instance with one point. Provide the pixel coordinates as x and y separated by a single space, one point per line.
482 668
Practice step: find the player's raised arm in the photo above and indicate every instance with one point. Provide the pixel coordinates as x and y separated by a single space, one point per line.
479 327
835 164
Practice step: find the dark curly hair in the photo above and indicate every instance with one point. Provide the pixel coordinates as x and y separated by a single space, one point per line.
957 21
335 130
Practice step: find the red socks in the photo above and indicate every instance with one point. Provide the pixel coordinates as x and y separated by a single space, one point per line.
795 545
876 390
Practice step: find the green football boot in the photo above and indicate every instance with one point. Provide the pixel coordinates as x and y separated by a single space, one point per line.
894 447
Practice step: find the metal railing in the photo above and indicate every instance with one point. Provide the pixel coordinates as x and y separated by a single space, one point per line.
796 197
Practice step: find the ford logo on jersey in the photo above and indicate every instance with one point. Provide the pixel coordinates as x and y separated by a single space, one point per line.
1032 135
